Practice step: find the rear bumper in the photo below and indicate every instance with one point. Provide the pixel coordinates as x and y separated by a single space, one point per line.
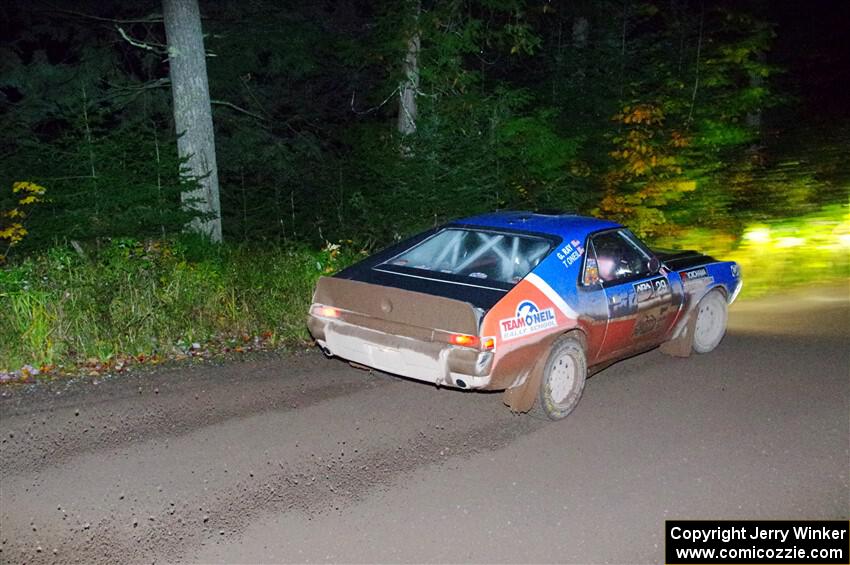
420 359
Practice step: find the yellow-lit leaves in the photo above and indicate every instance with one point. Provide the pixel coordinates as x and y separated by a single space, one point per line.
580 168
521 190
647 168
28 187
13 233
640 114
12 230
678 139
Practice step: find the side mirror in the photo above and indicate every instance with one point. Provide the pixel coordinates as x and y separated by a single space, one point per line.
654 264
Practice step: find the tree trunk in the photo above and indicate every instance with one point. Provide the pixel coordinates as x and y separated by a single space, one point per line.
754 116
753 119
192 112
408 88
580 32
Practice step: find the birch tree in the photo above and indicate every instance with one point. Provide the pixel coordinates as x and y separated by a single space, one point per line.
192 113
580 33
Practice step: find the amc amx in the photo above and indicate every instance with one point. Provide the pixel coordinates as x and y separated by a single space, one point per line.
521 302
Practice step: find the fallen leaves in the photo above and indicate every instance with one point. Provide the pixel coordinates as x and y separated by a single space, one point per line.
214 347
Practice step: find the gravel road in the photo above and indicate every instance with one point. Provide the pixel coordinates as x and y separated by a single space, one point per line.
304 459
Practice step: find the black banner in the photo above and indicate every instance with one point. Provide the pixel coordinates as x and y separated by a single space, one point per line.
815 542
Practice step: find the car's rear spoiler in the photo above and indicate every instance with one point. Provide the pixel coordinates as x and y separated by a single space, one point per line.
678 260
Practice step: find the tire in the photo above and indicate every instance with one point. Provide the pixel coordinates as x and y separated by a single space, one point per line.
563 380
710 325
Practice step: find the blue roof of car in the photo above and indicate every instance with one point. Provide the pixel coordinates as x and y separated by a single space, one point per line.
567 226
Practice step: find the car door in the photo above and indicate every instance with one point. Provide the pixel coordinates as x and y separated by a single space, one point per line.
638 295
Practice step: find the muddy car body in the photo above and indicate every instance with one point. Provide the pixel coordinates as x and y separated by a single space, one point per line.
521 302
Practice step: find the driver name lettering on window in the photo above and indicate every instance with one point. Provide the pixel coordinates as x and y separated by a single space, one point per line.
570 253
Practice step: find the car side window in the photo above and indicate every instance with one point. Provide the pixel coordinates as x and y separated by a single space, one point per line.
614 258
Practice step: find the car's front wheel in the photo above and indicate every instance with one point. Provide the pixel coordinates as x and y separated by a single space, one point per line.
563 379
710 325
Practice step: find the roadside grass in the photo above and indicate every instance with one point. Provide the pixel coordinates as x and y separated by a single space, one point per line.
133 301
128 302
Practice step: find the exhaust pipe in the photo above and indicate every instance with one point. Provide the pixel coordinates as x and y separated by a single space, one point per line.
325 350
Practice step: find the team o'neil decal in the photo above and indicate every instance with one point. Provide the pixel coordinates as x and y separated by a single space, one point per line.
529 319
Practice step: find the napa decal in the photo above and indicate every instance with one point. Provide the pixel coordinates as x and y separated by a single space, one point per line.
653 288
529 319
653 306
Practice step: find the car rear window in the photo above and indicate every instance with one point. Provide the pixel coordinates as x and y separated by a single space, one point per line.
474 255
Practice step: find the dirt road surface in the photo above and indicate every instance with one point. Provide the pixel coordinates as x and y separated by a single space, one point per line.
303 459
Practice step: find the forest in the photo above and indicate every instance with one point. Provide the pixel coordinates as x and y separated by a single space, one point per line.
340 126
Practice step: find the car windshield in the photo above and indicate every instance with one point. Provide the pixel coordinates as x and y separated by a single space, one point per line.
494 256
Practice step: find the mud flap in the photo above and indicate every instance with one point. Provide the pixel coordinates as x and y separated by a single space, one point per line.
521 398
682 345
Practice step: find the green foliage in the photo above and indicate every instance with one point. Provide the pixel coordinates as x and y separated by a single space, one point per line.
516 101
482 142
776 255
648 175
103 183
80 117
154 298
654 113
704 90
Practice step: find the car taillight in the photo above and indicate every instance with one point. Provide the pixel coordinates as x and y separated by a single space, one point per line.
463 339
466 340
326 311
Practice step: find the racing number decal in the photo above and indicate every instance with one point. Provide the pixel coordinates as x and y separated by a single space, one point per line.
653 303
651 288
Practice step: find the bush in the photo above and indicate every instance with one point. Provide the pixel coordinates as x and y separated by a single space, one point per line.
170 298
155 299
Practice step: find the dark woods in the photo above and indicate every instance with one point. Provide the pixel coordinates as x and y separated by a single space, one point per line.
365 121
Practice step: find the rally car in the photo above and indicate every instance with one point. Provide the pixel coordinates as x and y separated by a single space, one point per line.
522 302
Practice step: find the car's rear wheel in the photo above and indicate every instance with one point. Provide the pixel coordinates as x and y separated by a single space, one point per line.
563 379
710 325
